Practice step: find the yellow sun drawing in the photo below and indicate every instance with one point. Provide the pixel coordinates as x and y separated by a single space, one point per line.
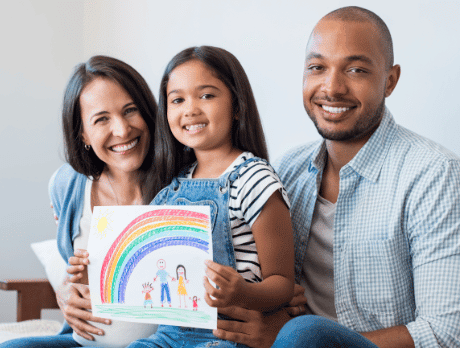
102 223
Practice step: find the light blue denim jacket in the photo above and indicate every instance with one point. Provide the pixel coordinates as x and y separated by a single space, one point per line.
396 232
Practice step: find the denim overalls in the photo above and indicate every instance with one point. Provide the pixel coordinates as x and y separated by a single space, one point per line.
215 194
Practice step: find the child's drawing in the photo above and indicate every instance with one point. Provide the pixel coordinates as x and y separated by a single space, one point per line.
182 278
195 302
156 243
148 288
163 275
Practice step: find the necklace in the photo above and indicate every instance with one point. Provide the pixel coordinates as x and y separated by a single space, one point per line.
111 186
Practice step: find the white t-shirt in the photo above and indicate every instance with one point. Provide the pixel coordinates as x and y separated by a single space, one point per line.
248 195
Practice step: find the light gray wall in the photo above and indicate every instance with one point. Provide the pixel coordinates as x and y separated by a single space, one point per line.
42 40
40 43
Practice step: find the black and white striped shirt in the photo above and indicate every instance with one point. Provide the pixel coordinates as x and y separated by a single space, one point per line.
248 194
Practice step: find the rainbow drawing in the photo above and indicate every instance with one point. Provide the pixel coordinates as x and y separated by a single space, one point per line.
146 233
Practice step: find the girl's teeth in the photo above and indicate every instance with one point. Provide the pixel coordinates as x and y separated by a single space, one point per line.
195 127
334 110
123 148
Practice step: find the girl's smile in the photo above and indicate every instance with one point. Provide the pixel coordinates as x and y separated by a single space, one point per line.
199 109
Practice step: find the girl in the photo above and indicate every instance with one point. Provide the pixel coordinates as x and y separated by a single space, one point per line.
207 138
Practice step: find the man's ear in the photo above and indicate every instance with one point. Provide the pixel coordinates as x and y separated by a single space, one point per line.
392 79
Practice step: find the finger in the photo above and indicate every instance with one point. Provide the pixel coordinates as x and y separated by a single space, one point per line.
216 278
82 333
298 300
232 336
76 278
77 260
51 205
75 269
224 271
239 313
211 290
298 290
211 302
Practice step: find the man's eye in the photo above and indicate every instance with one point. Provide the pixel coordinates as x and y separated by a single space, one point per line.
315 68
357 70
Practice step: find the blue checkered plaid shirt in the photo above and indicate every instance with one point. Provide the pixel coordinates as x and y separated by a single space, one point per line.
396 232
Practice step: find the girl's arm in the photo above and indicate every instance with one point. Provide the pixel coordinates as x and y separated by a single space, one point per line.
275 247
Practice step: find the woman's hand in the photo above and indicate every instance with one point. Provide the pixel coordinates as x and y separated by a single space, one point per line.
74 300
231 286
253 328
297 305
78 267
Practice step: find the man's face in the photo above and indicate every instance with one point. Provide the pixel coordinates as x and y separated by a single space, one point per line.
161 264
345 78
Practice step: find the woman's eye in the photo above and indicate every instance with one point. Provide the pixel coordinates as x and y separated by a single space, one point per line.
207 96
100 119
130 110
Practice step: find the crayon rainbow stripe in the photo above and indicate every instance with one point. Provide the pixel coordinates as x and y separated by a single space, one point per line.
149 232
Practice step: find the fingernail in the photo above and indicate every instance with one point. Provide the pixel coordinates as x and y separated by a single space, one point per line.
100 333
107 322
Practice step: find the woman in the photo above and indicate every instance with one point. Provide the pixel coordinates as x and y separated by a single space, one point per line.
108 122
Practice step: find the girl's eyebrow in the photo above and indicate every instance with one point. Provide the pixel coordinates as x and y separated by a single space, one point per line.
198 88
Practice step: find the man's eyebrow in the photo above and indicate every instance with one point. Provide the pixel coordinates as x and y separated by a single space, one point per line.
314 55
361 58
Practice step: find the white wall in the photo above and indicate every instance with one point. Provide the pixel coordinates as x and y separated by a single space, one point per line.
40 43
42 40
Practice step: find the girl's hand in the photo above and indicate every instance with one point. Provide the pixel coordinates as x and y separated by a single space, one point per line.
231 286
78 267
297 305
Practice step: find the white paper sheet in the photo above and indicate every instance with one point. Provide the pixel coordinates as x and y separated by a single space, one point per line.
137 253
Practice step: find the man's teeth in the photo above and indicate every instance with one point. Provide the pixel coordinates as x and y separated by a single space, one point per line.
195 127
123 148
333 110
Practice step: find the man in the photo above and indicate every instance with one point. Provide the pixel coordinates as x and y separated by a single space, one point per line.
375 209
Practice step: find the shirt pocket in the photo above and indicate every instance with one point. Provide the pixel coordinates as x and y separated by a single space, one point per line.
383 281
210 203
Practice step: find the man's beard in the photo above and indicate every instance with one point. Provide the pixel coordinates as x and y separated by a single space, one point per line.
363 126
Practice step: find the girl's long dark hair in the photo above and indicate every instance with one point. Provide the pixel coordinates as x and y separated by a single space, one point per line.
247 132
86 162
177 273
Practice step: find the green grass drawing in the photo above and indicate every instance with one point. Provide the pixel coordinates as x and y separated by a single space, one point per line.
168 313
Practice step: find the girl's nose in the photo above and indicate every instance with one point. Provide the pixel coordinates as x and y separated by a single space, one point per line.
191 108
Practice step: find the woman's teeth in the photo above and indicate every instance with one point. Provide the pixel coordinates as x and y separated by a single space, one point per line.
123 148
195 127
333 110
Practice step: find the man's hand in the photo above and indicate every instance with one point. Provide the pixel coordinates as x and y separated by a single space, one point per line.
74 300
255 329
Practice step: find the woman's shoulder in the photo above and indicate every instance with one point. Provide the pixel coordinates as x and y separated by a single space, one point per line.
65 179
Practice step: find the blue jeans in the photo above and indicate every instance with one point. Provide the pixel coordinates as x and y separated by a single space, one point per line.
174 337
57 341
165 289
315 331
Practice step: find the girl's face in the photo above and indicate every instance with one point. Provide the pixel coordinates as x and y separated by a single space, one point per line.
113 125
199 108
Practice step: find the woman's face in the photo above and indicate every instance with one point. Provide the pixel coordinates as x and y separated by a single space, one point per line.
113 126
181 271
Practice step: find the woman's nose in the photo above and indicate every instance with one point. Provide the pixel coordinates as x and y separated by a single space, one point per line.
120 127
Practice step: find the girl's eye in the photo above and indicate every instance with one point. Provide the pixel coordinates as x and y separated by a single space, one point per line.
177 100
207 96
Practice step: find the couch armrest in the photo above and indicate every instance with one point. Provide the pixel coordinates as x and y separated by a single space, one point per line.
33 296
